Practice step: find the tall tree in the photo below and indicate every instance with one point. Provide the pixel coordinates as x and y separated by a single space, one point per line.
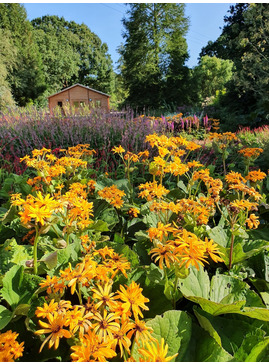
245 41
154 52
71 53
8 53
26 79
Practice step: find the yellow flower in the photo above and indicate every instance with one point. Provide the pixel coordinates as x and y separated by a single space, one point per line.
106 325
103 295
92 348
55 330
212 250
253 221
112 195
118 149
132 299
156 352
255 176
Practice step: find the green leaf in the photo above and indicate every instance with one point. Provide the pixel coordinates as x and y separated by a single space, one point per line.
202 347
219 235
206 325
12 254
226 289
175 327
99 225
69 254
18 288
9 215
248 345
208 350
50 259
5 317
182 186
247 249
259 352
110 217
197 283
230 331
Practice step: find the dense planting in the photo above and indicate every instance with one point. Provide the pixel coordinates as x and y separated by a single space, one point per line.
163 257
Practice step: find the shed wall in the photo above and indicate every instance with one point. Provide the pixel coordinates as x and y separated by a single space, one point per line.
78 94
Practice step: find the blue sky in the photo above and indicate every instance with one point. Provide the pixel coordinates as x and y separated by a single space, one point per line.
104 19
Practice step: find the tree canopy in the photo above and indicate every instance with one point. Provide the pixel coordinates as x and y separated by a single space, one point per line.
71 53
154 53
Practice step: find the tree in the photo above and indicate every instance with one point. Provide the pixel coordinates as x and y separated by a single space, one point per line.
253 75
71 53
8 54
245 41
154 52
212 75
26 78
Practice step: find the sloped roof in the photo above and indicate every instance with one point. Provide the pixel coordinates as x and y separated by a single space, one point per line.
78 84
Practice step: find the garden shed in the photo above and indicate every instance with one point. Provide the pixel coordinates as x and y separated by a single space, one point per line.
79 95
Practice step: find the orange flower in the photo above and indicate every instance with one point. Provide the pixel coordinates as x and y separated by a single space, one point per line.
55 329
251 152
156 352
255 176
132 299
112 195
212 250
253 221
164 253
118 149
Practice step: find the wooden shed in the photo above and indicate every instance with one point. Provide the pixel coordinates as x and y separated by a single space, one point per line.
79 95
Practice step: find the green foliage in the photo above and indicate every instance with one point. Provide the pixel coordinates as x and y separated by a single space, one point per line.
211 76
153 55
26 79
71 53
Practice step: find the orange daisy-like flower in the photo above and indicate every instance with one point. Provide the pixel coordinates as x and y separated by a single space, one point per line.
112 195
105 325
121 338
164 253
141 332
213 251
251 152
133 212
152 190
118 149
160 231
92 348
156 352
234 177
103 295
10 349
255 176
46 309
55 329
132 299
252 221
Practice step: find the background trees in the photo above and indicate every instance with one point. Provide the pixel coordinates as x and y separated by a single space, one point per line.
43 56
154 53
245 41
71 53
25 77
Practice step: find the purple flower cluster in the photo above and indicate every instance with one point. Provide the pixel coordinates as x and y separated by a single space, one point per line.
25 130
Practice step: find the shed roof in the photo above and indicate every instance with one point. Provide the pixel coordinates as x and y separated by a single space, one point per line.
78 84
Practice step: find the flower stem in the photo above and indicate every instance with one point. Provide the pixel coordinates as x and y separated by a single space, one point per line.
35 249
231 251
